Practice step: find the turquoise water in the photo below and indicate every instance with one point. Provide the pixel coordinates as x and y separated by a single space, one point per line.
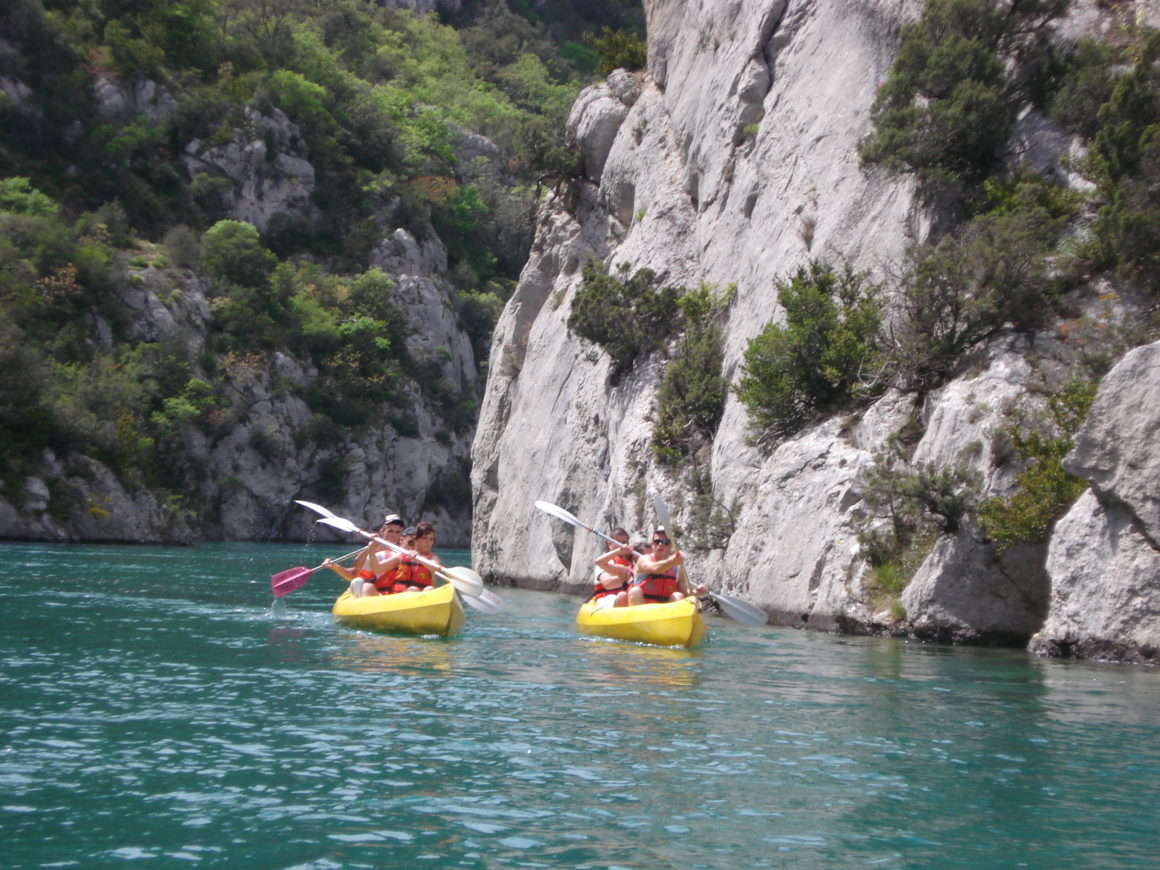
158 710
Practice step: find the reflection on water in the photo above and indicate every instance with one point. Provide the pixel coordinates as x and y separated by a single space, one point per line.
638 666
371 653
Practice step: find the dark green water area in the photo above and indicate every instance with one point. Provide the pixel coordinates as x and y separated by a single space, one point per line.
159 709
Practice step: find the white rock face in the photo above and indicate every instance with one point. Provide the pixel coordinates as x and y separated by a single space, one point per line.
1105 598
1104 559
736 163
121 102
744 129
1115 451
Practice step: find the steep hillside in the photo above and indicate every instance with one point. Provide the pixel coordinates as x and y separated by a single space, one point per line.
254 251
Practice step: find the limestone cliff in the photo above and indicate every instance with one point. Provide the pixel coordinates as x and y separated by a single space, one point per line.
733 160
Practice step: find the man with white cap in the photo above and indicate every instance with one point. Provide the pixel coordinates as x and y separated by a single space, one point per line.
376 564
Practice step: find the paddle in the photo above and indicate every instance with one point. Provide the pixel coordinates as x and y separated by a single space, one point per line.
734 608
285 582
464 580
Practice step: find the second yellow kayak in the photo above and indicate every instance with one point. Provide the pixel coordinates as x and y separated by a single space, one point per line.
675 623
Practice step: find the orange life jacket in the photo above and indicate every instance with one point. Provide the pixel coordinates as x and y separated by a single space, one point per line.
658 587
410 574
601 590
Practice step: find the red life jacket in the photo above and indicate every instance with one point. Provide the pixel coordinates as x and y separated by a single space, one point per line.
658 587
382 582
411 574
602 591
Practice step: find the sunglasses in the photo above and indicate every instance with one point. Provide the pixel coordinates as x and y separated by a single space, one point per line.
664 542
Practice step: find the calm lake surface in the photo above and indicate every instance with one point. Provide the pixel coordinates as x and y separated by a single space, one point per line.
165 712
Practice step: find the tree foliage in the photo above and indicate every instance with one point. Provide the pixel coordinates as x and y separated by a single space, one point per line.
626 316
946 108
1043 490
826 355
904 503
692 394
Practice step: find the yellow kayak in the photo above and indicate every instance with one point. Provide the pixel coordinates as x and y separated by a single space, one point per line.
675 623
432 611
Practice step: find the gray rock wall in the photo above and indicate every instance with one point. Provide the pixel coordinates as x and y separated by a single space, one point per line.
1104 559
733 160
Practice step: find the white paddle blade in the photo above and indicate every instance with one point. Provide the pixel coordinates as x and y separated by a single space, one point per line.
740 611
483 604
559 513
663 517
317 508
492 600
465 580
339 523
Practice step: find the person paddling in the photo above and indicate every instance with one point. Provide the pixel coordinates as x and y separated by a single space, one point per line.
374 571
615 572
660 574
412 575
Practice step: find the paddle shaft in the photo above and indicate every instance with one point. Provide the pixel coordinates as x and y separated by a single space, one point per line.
435 566
339 559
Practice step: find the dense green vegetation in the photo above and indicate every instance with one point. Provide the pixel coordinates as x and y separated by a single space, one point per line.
961 72
692 393
825 356
1043 490
95 199
626 315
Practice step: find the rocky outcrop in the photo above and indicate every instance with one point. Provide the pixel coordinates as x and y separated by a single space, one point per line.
1104 559
121 101
264 168
744 128
732 161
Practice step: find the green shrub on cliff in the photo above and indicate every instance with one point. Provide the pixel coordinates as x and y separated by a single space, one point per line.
946 108
1043 491
914 501
692 395
825 356
993 273
626 316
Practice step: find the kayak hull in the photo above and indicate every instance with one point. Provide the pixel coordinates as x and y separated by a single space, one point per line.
433 611
674 623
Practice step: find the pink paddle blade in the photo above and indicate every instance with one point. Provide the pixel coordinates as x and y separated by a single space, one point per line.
287 581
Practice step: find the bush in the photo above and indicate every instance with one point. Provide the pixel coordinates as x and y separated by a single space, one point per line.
946 109
914 502
1043 491
618 49
995 272
827 354
626 317
692 393
231 252
1125 159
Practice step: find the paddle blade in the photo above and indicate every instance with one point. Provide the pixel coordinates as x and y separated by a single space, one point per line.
663 517
465 581
488 602
559 513
317 508
339 523
740 611
285 582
